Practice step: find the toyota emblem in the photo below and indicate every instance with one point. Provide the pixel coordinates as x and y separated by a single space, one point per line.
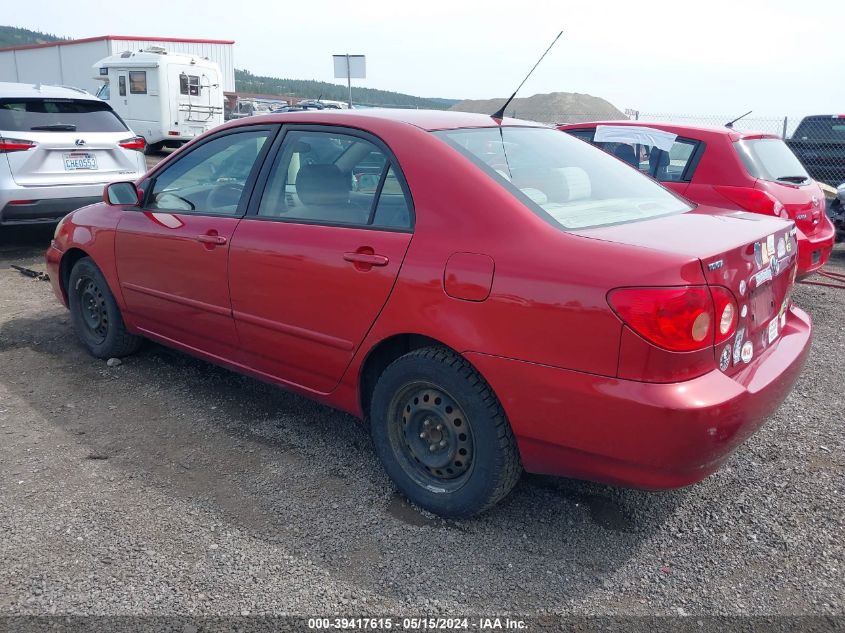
80 142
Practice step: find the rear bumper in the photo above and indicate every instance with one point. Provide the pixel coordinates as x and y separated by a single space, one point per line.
814 250
644 435
47 210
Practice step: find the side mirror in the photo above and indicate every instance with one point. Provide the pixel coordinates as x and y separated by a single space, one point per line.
122 193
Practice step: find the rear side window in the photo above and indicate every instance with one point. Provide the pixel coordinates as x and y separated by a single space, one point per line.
58 115
333 178
672 162
771 159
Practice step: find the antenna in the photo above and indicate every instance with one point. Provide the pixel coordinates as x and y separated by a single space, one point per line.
500 113
730 124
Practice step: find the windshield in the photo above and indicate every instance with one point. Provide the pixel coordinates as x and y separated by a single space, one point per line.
771 159
565 180
58 115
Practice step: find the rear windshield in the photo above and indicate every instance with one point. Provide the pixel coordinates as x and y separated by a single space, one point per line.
58 115
571 183
771 159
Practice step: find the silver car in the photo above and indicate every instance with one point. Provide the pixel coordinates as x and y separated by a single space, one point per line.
58 148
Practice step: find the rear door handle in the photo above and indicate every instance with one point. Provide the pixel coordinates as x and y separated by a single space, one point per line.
217 240
368 259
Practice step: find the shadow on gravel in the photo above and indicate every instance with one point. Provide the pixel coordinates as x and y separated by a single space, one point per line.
304 478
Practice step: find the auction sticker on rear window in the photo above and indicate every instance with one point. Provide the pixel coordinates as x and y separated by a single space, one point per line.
773 329
79 160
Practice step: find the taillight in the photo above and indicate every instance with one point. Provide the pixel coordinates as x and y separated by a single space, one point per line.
725 309
136 142
678 318
14 145
753 200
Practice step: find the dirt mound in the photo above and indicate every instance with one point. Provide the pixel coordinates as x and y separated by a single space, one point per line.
554 107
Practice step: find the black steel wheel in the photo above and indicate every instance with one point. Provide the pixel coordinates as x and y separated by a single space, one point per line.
95 314
442 435
434 441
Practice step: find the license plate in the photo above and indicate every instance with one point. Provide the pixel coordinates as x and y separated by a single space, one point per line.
773 330
79 160
762 303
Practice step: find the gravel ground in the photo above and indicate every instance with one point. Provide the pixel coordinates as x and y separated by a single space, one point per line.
166 485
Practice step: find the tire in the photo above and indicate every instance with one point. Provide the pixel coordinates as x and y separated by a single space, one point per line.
95 315
442 434
153 149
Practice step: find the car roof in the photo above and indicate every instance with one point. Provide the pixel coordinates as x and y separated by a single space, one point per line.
691 131
425 119
48 91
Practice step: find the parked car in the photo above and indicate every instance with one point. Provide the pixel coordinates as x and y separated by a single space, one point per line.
819 143
836 211
724 168
506 297
61 146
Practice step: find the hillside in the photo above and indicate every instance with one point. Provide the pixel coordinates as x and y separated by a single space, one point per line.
245 81
554 107
14 36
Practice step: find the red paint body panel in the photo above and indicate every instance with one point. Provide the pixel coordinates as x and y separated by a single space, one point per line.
171 282
652 435
469 276
302 310
721 165
283 302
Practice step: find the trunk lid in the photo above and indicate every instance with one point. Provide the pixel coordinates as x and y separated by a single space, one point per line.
71 158
752 255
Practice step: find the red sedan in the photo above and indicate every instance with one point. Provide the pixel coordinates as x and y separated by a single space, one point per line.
491 296
725 168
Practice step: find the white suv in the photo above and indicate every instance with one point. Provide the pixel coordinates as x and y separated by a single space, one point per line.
58 148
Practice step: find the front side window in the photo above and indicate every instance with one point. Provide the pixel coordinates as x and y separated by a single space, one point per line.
189 85
211 179
138 82
568 182
331 178
58 115
104 92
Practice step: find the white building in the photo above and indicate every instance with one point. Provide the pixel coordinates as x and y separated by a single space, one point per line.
69 62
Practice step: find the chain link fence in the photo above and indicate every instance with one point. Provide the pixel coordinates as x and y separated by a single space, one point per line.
817 141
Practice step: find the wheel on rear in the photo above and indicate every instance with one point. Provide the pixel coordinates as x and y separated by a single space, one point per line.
95 314
442 435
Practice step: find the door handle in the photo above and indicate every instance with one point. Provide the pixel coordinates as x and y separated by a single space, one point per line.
367 259
216 240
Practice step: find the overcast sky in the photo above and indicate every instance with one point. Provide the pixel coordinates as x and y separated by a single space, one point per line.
682 57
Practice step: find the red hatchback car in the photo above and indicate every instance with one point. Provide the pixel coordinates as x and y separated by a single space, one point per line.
490 295
724 168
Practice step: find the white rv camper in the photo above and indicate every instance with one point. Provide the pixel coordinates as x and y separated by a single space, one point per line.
167 98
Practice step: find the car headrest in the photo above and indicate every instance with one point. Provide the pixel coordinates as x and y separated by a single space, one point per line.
575 184
626 153
322 185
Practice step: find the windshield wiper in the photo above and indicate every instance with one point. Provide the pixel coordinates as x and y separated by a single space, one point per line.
795 179
60 127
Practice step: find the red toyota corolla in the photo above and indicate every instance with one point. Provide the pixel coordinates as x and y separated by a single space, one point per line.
725 168
490 295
